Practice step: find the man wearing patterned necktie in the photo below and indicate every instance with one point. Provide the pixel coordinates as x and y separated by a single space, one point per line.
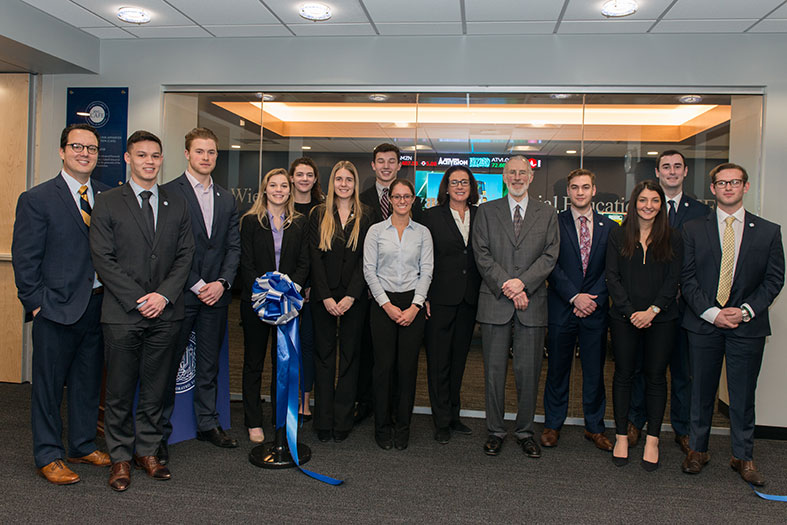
733 269
58 288
671 172
578 304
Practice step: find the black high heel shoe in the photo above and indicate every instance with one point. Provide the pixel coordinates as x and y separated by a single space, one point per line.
648 466
620 462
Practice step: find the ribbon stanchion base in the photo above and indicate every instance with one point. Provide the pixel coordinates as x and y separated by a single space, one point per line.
276 454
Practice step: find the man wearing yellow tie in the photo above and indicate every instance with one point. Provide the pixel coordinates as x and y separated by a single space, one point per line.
733 269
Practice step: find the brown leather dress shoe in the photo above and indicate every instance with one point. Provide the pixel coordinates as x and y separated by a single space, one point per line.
600 440
695 461
748 471
683 442
120 476
97 458
549 437
58 473
633 434
151 465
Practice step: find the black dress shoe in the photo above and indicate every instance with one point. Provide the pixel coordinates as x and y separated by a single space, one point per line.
402 439
305 418
620 462
649 466
218 437
442 435
163 452
385 443
340 435
324 436
493 445
530 447
457 427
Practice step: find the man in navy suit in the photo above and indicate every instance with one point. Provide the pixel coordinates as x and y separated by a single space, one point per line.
671 171
578 304
733 269
214 223
58 288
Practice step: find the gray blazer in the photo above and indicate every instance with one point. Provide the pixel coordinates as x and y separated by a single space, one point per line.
501 256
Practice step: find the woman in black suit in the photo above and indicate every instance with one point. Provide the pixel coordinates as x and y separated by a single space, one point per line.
644 260
453 297
274 237
337 231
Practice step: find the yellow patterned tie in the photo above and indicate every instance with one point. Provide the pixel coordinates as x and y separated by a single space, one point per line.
727 263
84 205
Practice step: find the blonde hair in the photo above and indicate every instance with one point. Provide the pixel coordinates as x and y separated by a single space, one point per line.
260 207
327 223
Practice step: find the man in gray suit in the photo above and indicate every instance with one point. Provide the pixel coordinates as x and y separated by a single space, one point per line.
516 243
142 247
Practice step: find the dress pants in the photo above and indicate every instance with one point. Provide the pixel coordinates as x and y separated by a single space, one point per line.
528 346
306 330
592 348
334 397
71 355
655 343
364 394
209 324
744 358
449 331
255 345
137 353
396 351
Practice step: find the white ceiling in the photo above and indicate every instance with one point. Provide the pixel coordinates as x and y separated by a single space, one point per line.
279 18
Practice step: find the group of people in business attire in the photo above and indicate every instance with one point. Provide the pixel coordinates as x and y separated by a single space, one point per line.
123 276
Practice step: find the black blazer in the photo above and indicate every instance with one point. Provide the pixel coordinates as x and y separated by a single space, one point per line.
688 210
130 263
257 254
455 276
633 286
759 272
370 198
216 256
339 271
51 252
567 279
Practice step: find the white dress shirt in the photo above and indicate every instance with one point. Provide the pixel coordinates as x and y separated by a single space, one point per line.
462 224
512 204
153 198
73 188
205 200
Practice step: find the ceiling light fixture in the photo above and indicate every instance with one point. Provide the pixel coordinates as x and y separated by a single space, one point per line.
235 146
267 97
690 99
306 147
83 114
315 11
559 96
653 153
417 147
619 8
133 15
571 151
378 97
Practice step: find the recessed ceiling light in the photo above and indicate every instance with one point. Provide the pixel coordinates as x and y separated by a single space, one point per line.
571 151
559 96
378 97
653 153
315 11
267 97
235 146
242 122
690 99
133 15
525 147
619 8
306 147
419 147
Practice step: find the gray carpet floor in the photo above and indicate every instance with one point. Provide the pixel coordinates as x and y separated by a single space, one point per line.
427 483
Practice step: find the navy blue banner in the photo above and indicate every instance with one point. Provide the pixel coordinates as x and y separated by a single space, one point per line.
106 109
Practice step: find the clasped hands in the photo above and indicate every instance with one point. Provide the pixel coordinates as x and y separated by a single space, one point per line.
729 317
584 304
514 289
151 305
401 317
338 309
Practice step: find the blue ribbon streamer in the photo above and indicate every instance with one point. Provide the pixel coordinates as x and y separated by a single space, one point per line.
769 497
277 302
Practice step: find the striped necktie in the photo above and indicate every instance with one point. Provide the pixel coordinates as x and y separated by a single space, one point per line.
385 204
727 263
84 205
517 220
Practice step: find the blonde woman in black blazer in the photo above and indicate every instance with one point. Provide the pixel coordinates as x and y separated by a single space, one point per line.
337 232
274 237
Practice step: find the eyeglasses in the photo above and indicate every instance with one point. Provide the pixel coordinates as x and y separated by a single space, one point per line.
463 182
76 147
734 183
403 198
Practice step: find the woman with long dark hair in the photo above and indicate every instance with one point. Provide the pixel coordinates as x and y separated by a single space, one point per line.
644 260
273 237
337 232
306 192
397 265
452 299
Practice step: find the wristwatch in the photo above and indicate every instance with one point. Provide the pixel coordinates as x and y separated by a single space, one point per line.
745 314
224 283
655 309
419 306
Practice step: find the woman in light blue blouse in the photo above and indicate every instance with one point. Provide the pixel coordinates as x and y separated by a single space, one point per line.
397 265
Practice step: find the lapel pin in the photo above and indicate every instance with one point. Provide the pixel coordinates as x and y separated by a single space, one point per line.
751 225
601 224
686 204
166 203
218 194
